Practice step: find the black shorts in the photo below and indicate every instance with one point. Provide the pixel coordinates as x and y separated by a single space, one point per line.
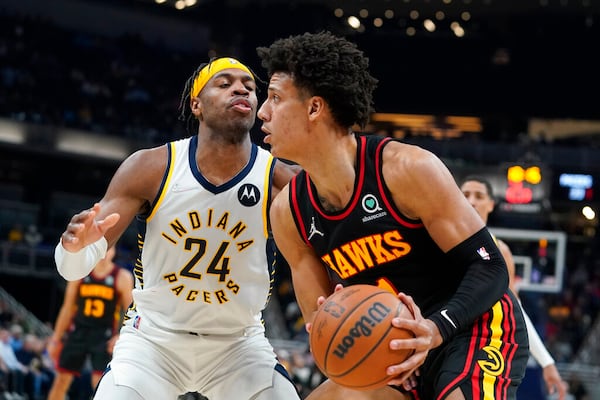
487 361
81 344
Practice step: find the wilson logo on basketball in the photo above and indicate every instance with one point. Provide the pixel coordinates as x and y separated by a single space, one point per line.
374 315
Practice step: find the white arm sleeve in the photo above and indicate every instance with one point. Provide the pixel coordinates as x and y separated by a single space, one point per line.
74 266
536 346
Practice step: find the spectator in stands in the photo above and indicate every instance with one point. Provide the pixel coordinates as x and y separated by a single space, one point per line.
12 367
16 337
40 376
479 193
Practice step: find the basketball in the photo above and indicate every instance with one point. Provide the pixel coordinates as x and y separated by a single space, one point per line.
350 336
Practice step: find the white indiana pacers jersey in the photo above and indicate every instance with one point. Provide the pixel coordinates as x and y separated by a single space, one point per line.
204 266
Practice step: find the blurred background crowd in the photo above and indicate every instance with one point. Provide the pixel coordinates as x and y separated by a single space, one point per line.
81 88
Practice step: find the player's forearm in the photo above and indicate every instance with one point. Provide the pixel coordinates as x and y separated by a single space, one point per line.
74 266
484 283
536 346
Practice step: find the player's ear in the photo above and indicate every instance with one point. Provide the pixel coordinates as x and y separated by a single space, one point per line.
195 106
315 106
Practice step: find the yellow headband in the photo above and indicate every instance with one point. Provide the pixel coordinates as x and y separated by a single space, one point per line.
212 69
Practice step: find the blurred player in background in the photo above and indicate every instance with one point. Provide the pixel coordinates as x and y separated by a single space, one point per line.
479 192
88 323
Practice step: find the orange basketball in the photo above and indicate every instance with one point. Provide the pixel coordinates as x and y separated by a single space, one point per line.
350 336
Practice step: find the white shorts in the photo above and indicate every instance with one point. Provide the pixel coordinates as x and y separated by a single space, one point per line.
161 364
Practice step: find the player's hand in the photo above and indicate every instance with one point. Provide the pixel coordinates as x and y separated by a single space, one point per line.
84 229
406 372
54 348
110 345
320 301
554 382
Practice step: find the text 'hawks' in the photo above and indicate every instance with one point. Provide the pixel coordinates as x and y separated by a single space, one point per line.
366 252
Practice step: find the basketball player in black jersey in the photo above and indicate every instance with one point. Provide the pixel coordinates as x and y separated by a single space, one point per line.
88 323
377 211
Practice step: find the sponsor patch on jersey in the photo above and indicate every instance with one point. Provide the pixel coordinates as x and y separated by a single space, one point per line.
370 204
248 195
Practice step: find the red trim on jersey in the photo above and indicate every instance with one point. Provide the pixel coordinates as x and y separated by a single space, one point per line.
467 367
357 190
387 202
509 354
296 210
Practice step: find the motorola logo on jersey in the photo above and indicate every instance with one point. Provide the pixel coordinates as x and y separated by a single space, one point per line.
248 195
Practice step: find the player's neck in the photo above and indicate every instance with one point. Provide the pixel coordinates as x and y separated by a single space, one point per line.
219 163
334 173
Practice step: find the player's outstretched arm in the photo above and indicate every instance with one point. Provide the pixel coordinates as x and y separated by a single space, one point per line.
89 233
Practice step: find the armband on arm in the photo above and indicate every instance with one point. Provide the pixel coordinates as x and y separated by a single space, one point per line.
536 346
484 283
74 266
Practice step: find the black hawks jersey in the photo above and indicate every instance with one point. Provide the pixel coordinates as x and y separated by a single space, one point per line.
97 301
370 241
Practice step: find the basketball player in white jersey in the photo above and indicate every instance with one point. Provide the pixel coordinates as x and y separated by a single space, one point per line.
205 264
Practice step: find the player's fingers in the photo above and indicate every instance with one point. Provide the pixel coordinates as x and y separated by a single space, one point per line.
108 222
308 327
402 379
410 303
408 366
321 300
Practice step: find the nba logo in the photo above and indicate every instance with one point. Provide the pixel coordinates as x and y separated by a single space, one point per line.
136 321
483 253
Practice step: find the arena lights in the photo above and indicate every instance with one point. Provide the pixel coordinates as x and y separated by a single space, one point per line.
179 4
588 212
521 182
410 23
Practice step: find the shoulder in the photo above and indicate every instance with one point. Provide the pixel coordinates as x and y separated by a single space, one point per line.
151 157
280 206
283 172
410 163
122 272
124 276
141 173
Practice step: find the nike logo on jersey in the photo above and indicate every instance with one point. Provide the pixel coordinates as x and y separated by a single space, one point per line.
444 313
